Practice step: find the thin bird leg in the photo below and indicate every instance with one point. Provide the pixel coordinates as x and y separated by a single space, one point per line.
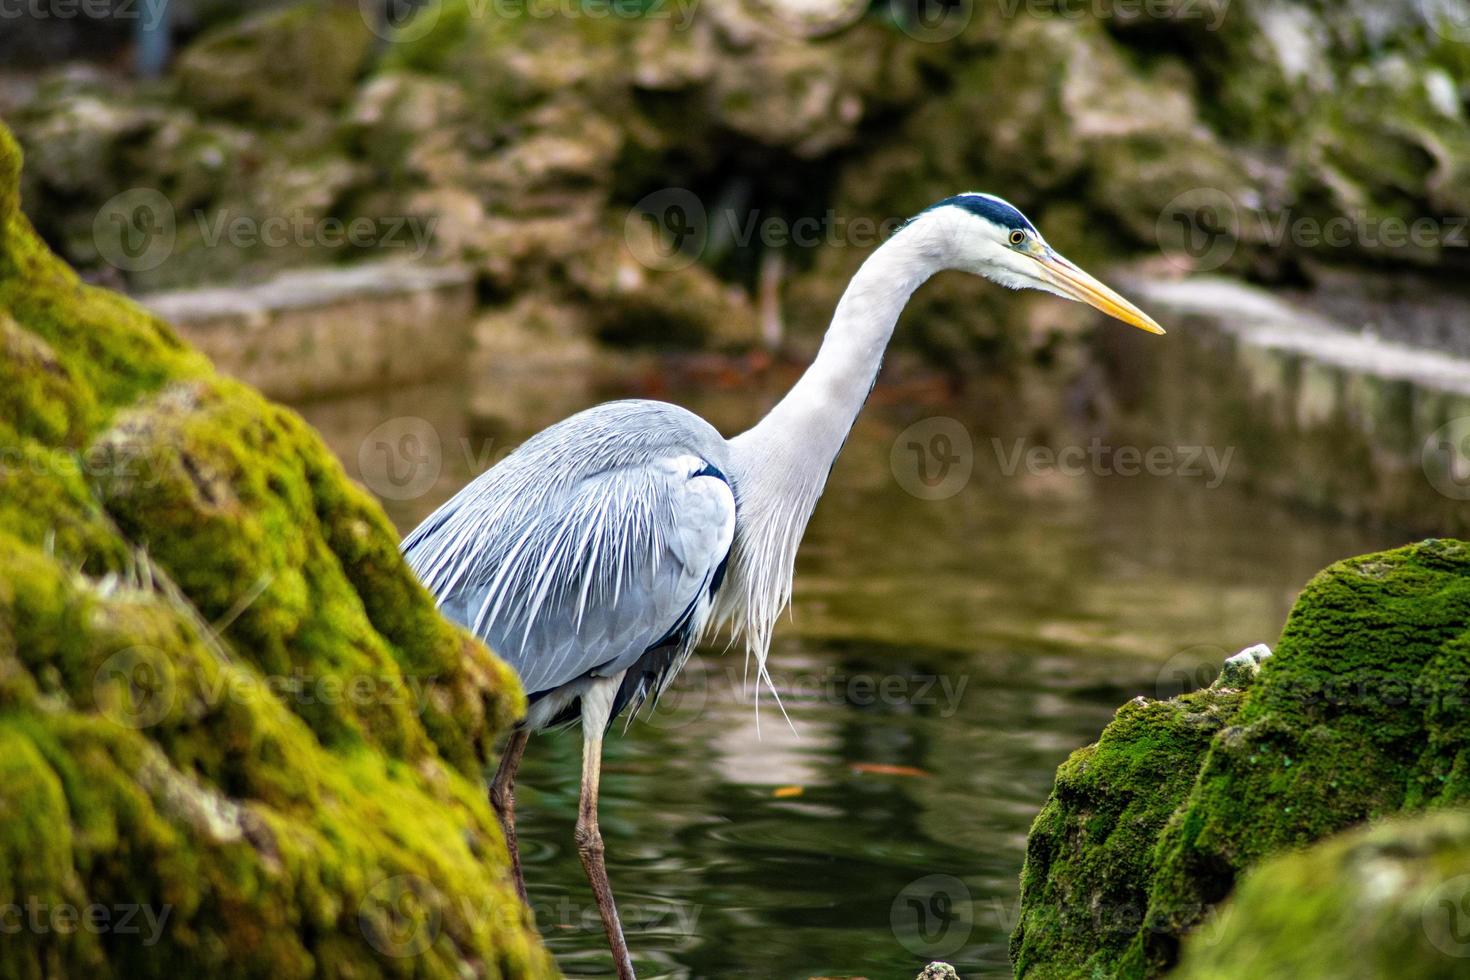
503 800
589 846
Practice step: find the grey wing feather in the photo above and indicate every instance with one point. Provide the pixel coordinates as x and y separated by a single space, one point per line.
587 545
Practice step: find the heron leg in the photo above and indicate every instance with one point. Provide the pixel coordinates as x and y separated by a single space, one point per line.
589 837
503 800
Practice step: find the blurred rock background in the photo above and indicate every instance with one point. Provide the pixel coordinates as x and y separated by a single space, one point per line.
524 133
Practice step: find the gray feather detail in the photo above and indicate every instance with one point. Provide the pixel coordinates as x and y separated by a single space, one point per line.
587 544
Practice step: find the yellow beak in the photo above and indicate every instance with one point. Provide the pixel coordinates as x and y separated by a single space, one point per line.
1078 285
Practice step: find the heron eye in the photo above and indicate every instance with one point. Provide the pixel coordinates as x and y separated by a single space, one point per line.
1017 237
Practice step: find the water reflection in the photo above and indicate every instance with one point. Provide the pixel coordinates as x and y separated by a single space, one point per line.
944 656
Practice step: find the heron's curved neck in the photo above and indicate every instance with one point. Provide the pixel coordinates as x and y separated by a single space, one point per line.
780 466
810 424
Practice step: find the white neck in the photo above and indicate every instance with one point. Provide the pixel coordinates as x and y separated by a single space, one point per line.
780 466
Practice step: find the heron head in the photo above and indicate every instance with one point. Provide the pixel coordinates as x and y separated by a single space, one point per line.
984 235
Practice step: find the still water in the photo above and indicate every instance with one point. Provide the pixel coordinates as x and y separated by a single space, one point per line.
978 592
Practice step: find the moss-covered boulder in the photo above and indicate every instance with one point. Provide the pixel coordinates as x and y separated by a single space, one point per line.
237 739
1392 900
1090 855
1360 714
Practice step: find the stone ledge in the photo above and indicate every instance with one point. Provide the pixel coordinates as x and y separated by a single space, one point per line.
1265 320
330 330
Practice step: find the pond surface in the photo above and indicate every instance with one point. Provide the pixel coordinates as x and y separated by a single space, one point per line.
978 592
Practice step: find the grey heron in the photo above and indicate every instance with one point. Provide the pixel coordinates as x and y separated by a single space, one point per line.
595 556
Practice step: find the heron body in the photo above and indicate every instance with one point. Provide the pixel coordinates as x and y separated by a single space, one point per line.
595 556
612 530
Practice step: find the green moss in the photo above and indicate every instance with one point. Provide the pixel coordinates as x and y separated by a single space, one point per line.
1090 853
1389 901
285 65
224 700
1360 714
1346 724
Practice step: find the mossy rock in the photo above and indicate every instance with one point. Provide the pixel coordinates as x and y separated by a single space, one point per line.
1360 714
227 709
291 65
1392 900
1090 853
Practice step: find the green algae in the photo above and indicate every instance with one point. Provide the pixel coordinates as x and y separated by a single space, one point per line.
1090 853
1360 715
1339 730
223 697
1391 900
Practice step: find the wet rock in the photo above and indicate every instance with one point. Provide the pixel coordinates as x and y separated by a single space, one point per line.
1387 151
1386 901
225 697
280 66
938 971
224 207
87 144
330 330
632 303
1060 104
411 128
1091 853
1241 669
1358 715
807 98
